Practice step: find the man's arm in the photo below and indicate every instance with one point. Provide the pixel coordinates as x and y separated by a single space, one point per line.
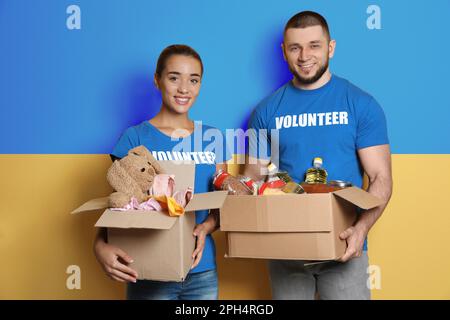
376 162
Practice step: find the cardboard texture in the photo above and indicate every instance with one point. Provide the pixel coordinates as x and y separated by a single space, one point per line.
291 226
160 245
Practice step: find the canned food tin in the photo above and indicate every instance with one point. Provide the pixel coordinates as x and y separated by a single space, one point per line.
339 183
277 184
219 178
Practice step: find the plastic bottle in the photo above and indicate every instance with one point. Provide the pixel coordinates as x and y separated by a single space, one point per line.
316 174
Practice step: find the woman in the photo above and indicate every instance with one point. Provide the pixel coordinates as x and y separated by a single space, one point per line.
178 76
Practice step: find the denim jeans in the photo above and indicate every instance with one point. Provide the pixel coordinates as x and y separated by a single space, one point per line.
299 280
196 286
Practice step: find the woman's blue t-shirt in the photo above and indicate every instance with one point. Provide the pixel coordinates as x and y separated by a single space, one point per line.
205 146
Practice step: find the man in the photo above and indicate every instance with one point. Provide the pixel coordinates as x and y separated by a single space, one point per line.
318 114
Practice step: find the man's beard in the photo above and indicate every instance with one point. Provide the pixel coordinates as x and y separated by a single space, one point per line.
314 78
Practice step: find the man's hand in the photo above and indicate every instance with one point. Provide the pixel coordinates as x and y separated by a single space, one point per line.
355 237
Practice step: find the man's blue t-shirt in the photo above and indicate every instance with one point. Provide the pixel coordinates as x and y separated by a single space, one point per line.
332 122
205 146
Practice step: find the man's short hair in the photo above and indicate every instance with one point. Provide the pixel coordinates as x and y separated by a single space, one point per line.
306 19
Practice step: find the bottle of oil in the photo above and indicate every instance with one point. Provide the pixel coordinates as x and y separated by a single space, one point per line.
316 174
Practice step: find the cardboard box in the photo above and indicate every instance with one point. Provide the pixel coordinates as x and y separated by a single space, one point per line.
291 226
160 245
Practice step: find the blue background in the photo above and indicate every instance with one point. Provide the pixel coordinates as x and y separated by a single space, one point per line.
75 91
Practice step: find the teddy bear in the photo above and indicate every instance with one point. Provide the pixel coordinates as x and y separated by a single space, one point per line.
132 176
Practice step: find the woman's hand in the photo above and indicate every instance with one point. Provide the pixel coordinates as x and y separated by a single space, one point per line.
114 262
201 231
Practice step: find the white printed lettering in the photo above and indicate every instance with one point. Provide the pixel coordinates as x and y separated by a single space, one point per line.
312 119
321 115
335 118
343 117
287 121
328 118
294 121
279 122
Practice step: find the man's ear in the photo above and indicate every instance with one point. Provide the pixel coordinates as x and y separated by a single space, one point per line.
282 49
331 48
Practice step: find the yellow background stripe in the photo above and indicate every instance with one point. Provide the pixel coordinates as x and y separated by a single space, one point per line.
39 239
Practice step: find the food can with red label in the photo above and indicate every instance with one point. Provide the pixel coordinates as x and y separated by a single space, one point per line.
277 184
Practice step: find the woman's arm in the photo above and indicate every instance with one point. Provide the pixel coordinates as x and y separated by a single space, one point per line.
113 260
210 225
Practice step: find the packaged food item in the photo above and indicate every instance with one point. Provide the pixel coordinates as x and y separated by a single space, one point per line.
316 174
252 185
290 185
272 191
339 183
318 187
259 185
273 185
293 187
224 181
272 181
331 186
283 175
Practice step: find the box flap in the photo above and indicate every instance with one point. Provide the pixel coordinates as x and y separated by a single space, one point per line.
94 204
136 219
207 200
359 197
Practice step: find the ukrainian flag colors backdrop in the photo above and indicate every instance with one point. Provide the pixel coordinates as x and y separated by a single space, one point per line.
75 74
